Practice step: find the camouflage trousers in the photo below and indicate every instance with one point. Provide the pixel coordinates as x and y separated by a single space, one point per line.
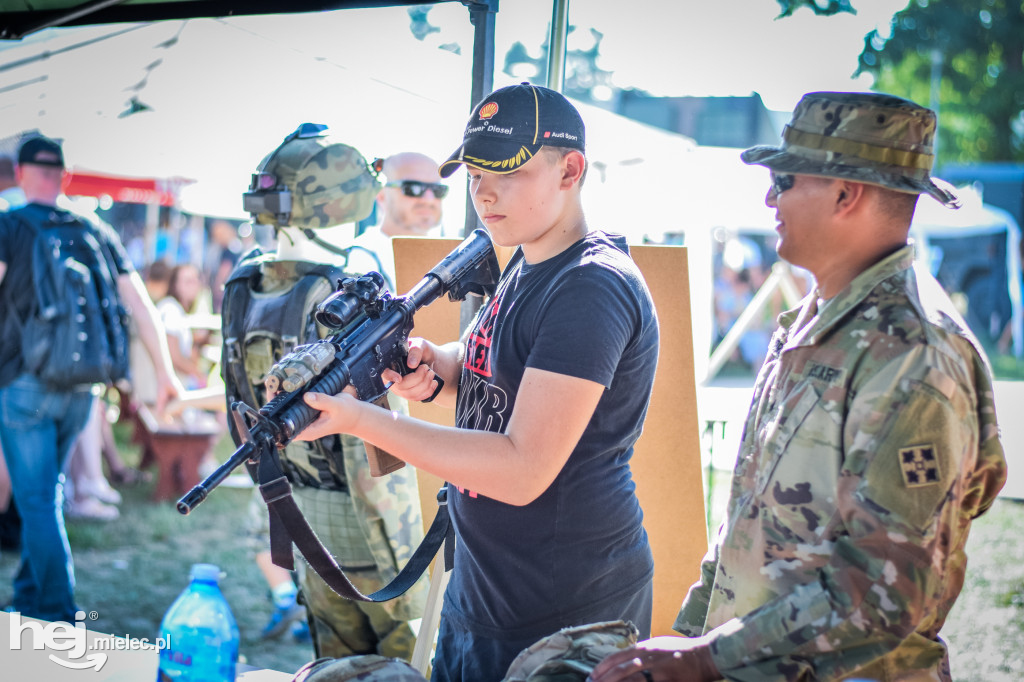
341 627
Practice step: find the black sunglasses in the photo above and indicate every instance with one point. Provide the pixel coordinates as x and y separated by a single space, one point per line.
782 181
415 188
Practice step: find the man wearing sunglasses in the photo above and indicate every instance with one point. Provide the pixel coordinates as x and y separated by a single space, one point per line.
410 203
871 443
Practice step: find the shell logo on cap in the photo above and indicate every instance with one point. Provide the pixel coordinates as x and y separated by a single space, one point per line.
488 110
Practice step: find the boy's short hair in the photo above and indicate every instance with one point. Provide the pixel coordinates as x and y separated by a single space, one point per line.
510 125
558 153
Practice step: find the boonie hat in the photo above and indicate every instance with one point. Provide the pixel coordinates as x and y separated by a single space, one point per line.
41 151
867 137
511 124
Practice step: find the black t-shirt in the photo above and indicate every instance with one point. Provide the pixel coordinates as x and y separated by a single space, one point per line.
526 571
17 289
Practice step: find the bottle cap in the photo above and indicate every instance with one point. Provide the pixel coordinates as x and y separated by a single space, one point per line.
205 572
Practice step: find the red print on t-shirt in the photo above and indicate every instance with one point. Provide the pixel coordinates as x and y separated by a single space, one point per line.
478 347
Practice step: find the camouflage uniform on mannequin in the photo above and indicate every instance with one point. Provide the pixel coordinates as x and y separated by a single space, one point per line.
371 525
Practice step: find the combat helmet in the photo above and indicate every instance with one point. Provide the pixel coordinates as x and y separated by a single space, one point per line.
365 667
311 182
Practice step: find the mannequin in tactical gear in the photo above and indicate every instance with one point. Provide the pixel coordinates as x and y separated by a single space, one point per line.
371 525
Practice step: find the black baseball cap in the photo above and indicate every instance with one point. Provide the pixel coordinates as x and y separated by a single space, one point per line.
511 124
41 151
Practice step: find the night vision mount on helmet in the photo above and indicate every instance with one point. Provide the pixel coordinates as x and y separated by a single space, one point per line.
310 182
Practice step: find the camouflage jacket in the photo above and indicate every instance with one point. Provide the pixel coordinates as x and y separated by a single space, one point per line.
870 445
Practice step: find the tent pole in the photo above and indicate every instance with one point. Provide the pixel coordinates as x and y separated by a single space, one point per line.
556 44
481 15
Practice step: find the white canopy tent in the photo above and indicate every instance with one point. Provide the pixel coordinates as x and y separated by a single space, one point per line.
217 94
220 94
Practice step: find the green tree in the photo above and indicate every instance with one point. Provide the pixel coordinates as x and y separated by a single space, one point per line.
965 58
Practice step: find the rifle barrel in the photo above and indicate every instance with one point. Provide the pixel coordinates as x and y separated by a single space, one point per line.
200 491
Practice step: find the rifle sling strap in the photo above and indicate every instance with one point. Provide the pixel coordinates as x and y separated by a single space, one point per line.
288 525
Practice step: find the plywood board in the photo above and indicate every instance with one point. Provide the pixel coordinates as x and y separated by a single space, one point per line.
666 463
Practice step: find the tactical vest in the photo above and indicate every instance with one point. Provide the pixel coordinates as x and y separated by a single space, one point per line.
262 297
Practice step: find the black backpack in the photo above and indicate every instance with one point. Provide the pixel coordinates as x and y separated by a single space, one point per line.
78 333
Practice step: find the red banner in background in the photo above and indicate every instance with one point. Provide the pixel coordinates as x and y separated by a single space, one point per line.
124 189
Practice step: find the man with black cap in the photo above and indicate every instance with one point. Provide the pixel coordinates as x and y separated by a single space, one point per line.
550 389
871 443
39 423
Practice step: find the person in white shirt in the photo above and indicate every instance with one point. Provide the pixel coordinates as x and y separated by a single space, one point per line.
410 202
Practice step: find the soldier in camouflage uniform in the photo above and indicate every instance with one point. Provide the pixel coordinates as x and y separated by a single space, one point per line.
371 525
871 443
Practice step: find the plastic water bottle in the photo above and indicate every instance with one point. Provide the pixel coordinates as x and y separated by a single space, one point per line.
199 633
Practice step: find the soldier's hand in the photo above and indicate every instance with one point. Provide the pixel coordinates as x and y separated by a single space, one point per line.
660 659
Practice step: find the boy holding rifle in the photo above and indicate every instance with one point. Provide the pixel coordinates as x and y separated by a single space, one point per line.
550 388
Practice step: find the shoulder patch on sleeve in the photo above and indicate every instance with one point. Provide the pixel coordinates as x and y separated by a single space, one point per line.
919 466
941 382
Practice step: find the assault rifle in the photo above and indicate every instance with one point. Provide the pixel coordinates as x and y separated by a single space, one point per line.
371 329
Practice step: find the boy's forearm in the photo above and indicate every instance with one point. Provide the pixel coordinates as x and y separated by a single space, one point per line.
480 461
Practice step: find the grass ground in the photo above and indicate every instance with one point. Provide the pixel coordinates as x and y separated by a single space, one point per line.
130 570
985 629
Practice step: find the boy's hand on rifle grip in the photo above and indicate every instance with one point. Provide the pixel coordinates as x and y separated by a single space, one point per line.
421 382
